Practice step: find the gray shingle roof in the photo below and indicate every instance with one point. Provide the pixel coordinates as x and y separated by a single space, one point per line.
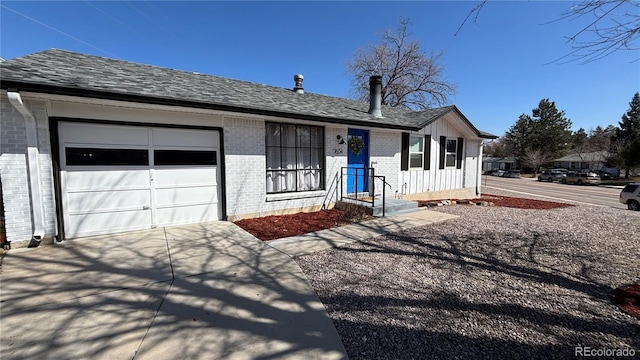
69 73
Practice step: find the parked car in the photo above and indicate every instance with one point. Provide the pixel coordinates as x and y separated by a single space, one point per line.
512 174
498 173
581 178
603 174
630 196
552 175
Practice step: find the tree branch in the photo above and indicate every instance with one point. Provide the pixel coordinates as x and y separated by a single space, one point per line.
476 10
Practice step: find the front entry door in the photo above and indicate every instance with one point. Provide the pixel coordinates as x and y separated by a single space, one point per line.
358 162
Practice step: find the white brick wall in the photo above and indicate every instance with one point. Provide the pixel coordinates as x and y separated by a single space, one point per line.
244 146
38 110
384 151
245 170
13 170
336 158
244 142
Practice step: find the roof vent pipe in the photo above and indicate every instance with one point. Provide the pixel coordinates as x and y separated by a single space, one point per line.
375 96
298 88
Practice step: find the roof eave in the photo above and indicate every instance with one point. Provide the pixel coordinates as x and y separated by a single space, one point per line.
106 95
480 134
486 135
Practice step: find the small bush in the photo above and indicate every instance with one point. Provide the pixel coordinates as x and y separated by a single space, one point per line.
353 213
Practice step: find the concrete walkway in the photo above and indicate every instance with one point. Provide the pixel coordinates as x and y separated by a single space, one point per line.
206 291
335 237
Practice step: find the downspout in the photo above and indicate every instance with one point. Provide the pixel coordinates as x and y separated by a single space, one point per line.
479 175
33 164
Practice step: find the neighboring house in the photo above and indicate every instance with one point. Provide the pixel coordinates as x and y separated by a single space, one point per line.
592 160
91 145
498 163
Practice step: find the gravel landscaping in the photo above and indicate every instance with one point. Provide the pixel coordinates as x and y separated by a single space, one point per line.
496 283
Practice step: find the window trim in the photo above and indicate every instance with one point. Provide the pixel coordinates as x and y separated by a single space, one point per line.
427 152
449 153
421 152
460 153
295 170
405 153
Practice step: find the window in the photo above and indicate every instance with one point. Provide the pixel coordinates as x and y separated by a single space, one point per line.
452 147
184 157
106 157
416 151
295 157
630 188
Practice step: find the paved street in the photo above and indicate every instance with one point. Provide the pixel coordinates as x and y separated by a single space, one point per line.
592 195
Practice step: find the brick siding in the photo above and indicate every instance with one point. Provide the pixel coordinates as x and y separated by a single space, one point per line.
14 173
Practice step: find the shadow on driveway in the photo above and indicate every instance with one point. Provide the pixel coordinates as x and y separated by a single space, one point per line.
200 291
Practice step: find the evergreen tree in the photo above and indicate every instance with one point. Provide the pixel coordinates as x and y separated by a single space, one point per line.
629 128
519 135
553 129
547 131
600 139
579 138
625 144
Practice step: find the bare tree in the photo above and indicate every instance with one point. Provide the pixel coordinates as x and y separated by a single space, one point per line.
615 26
498 148
535 158
410 78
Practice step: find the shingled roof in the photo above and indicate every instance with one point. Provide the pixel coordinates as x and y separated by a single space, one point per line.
69 73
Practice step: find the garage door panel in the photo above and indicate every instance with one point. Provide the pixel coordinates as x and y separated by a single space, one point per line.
106 223
106 179
76 133
108 200
121 178
175 138
179 215
187 195
185 176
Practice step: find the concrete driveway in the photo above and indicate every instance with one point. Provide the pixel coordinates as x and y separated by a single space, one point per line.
206 291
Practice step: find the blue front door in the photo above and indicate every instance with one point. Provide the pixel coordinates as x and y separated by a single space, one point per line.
358 162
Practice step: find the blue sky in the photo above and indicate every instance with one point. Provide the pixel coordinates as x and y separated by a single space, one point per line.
498 64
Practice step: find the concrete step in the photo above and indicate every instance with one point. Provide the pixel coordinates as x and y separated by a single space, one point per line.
394 206
400 212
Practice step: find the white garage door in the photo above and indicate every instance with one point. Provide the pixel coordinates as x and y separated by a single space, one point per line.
122 178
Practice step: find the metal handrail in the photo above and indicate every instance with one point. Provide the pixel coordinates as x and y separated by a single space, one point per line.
357 171
328 193
383 192
373 177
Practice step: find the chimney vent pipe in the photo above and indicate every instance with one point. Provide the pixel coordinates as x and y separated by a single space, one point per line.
375 96
298 87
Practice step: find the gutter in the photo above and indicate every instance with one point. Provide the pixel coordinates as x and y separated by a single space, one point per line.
145 99
479 173
33 164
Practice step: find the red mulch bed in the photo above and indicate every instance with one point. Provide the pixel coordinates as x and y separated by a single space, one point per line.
628 299
508 201
279 226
